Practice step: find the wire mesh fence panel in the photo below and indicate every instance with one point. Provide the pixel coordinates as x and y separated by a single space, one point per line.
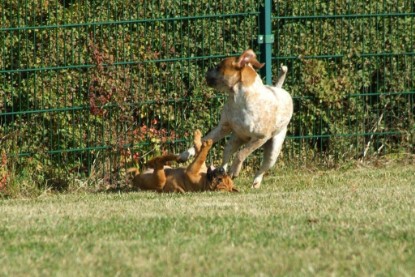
89 88
352 76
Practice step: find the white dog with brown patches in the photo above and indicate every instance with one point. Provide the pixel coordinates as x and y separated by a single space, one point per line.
256 115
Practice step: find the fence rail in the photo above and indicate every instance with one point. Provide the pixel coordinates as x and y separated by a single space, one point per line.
90 87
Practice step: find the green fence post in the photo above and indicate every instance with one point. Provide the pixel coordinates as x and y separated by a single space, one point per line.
265 40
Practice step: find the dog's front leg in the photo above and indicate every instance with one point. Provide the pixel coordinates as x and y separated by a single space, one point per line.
216 134
248 148
233 144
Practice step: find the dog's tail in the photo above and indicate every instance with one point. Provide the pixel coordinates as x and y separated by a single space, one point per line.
281 76
134 171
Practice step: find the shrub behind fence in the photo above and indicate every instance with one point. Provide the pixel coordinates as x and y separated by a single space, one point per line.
91 87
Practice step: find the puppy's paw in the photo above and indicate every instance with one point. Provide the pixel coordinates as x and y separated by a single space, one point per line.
207 143
152 163
198 134
197 141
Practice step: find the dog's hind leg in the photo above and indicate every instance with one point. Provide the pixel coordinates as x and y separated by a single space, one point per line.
272 149
218 133
161 160
159 175
233 144
240 157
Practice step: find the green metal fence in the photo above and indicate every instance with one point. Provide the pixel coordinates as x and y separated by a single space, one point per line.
90 87
352 75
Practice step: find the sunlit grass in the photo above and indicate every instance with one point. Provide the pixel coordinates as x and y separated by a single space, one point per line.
356 222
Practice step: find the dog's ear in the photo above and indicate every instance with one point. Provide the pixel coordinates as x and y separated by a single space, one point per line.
248 57
256 64
248 76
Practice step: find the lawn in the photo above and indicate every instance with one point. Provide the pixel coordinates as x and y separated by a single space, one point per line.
356 222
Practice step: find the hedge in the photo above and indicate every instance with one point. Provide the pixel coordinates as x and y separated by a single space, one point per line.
89 88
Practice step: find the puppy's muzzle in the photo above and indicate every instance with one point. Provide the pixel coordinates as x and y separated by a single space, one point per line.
217 173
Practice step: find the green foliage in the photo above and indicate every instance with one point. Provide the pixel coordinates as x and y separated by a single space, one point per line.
91 87
352 71
88 88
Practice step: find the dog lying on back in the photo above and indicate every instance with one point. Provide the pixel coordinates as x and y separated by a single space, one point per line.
195 177
256 115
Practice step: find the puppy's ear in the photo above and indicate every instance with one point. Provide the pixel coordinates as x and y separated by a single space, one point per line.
235 189
209 173
248 57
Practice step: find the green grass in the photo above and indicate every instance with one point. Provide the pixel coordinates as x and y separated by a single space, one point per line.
358 222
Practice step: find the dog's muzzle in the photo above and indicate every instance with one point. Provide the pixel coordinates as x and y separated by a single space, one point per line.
220 171
210 77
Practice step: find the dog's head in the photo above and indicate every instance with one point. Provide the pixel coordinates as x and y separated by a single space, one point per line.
218 180
234 70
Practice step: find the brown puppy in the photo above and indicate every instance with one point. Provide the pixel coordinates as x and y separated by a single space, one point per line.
195 177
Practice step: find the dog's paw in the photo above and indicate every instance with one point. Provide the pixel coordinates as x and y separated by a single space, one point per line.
257 181
256 185
184 156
